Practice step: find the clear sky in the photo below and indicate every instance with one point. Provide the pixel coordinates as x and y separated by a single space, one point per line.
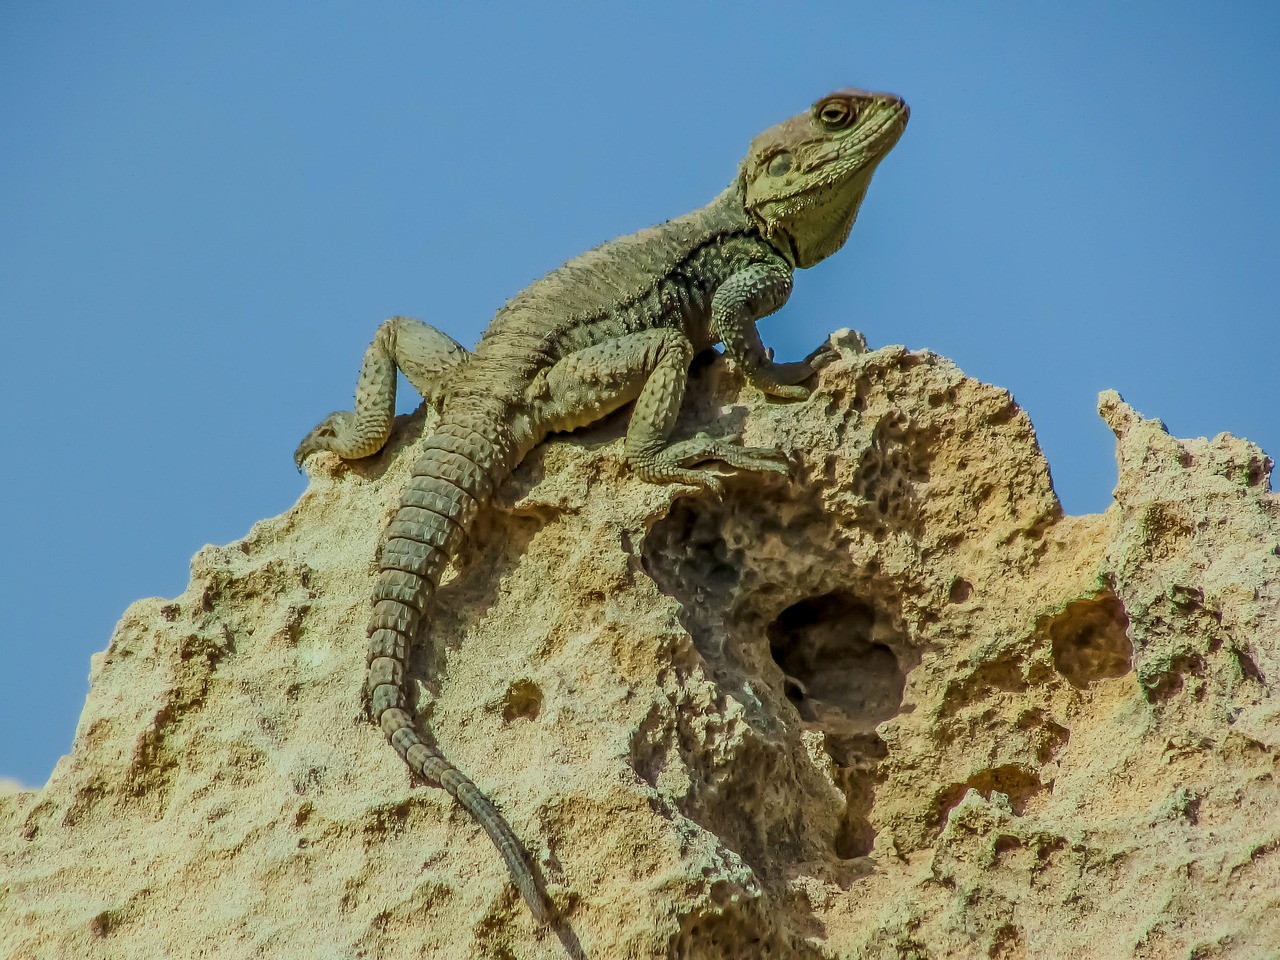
206 209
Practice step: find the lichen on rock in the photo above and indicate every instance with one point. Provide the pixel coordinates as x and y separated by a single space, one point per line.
898 705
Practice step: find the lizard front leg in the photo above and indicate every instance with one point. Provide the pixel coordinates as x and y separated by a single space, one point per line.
650 367
421 351
748 295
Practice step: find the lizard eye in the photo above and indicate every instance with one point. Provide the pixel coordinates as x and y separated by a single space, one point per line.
836 114
779 164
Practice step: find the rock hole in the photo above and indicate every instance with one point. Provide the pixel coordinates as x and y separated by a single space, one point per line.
523 700
854 762
843 680
1163 677
826 648
1089 640
793 691
1258 473
105 923
960 590
1004 410
1006 844
1248 667
1015 781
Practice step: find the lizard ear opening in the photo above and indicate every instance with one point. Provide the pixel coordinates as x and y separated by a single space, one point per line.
779 164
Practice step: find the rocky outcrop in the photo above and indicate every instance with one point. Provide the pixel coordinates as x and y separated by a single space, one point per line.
899 706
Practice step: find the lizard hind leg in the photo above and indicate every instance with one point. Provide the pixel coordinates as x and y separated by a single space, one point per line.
423 353
650 367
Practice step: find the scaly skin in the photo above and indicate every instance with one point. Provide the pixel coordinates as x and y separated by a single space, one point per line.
617 325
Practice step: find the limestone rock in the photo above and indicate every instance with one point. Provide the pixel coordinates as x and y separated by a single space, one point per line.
899 706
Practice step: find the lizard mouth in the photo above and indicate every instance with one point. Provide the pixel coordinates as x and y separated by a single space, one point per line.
873 143
886 132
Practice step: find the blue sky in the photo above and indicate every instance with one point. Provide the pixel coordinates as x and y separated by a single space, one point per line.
206 209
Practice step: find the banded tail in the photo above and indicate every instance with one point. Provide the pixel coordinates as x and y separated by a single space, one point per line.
460 466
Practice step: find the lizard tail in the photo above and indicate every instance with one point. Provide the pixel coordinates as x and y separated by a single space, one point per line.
457 472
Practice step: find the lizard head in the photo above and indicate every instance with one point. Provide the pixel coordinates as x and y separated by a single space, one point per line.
804 179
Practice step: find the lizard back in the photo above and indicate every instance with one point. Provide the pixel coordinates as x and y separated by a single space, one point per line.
656 276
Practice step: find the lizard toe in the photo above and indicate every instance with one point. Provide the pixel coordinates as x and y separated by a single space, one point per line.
321 437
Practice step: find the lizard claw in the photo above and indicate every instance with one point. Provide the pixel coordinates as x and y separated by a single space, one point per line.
322 436
826 353
783 380
673 464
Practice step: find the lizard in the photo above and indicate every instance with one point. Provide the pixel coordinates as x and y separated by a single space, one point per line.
619 324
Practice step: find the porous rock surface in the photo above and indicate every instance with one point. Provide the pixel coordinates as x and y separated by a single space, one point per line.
898 706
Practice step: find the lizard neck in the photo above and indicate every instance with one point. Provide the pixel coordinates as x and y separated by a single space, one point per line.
727 212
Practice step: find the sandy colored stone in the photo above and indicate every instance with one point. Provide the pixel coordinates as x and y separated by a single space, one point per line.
899 707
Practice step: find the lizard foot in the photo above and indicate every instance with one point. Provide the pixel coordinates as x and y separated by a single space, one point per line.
671 465
827 352
334 433
783 380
